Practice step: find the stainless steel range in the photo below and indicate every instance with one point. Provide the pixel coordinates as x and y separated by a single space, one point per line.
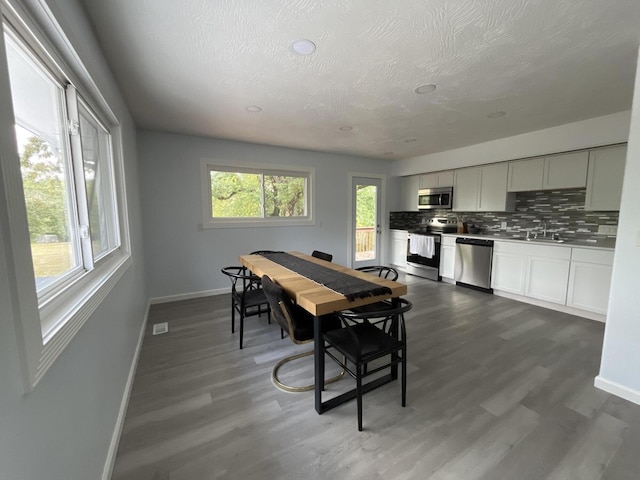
423 248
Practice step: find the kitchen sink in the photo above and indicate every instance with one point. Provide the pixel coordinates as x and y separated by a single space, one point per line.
539 239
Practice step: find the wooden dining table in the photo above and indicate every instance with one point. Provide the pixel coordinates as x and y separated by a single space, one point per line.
320 300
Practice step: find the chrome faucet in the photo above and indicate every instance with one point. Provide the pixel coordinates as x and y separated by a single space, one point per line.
543 225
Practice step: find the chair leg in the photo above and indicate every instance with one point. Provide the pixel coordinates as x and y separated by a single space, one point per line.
281 334
404 377
233 316
241 328
288 388
359 394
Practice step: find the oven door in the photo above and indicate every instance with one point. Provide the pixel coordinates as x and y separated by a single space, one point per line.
432 198
427 267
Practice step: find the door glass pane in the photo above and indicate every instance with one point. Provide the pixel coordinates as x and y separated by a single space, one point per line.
236 195
366 205
284 196
98 177
46 174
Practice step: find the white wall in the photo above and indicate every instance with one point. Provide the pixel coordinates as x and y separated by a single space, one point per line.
620 367
605 130
181 258
62 430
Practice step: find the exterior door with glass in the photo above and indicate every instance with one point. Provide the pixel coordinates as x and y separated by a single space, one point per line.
367 220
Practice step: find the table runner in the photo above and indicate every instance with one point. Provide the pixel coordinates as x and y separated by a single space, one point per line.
343 283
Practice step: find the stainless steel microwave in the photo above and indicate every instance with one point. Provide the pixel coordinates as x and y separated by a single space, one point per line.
435 198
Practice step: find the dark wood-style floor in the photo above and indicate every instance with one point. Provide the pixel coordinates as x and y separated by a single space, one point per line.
497 389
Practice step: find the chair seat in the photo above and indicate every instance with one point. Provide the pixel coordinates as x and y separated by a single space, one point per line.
254 298
303 328
374 342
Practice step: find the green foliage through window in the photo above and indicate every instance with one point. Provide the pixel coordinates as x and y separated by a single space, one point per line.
257 195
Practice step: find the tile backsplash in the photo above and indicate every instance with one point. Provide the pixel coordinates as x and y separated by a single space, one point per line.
562 210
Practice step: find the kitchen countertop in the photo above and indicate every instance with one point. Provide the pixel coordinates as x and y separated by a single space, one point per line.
604 244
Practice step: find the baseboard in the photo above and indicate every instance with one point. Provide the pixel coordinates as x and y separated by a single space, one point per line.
117 431
189 296
552 306
617 389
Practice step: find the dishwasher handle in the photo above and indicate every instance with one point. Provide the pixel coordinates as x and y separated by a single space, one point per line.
480 242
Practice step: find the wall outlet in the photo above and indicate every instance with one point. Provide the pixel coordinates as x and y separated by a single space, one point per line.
607 230
503 225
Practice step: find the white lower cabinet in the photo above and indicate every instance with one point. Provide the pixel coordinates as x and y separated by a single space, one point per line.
399 239
508 272
590 280
547 277
447 257
535 271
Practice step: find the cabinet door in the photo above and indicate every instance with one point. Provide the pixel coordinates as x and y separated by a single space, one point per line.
447 261
465 189
589 286
410 193
568 170
547 279
399 248
604 178
429 180
445 178
508 272
493 189
526 175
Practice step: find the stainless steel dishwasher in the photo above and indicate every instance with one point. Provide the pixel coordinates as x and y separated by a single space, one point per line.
473 263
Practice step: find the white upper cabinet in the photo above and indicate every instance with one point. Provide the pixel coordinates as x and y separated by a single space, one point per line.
482 189
437 179
604 178
493 195
466 188
409 192
568 170
526 175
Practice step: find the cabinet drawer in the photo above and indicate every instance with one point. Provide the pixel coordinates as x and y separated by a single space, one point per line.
586 255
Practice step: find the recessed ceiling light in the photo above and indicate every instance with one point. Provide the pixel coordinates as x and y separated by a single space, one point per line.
428 88
497 114
303 47
254 108
346 128
409 140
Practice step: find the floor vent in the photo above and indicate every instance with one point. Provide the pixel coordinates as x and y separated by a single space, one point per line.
160 328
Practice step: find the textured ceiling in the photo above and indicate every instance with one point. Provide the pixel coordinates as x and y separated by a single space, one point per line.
193 66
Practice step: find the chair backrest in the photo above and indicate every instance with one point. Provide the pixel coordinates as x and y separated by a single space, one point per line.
384 318
322 256
281 305
260 252
241 279
382 271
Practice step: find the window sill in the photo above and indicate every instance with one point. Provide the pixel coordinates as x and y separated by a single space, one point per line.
65 317
256 223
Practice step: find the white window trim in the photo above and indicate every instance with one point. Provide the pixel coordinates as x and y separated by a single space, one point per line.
208 222
83 296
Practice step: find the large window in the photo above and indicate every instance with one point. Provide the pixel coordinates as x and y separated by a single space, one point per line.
66 170
70 202
235 196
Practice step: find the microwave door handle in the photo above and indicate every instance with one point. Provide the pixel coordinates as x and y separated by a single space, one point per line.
440 200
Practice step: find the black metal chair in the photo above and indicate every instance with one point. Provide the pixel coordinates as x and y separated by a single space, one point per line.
321 255
361 342
298 323
388 273
247 296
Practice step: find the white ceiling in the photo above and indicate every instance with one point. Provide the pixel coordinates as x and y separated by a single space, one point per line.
193 66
